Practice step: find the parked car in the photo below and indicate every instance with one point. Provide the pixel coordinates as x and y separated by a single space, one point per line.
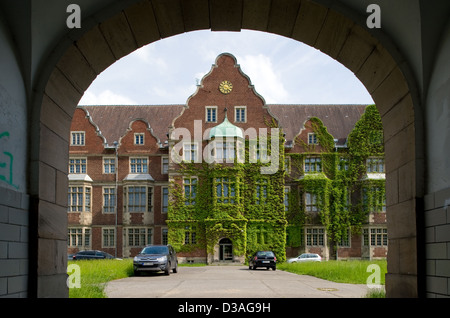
92 254
263 259
156 258
305 257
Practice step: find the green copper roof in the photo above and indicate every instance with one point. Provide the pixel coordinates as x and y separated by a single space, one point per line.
225 129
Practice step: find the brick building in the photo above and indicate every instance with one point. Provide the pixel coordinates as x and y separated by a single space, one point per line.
191 175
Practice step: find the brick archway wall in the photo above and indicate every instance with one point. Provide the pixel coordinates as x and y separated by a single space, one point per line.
382 71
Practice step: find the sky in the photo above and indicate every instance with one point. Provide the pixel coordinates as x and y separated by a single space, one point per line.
282 70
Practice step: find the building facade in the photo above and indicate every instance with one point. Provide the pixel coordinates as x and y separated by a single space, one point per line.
226 174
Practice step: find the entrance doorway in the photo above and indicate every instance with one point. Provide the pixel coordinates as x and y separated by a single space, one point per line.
225 250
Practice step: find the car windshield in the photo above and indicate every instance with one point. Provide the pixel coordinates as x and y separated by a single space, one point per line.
265 254
155 250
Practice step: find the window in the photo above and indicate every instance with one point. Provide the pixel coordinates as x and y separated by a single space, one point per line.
190 152
165 238
375 165
139 139
164 165
79 237
77 138
138 165
211 114
225 150
315 237
312 139
374 199
165 199
189 235
77 165
79 199
287 164
343 164
138 237
313 164
109 165
138 199
261 191
375 237
262 153
286 198
311 202
190 190
345 240
109 199
109 237
240 114
226 190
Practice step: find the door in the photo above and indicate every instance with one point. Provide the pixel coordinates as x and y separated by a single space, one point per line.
225 250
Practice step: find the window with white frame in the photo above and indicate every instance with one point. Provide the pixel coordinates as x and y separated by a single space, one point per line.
164 165
190 190
211 114
240 114
315 237
190 235
313 164
311 202
224 150
139 139
375 165
77 138
138 165
286 198
77 165
79 199
261 191
138 236
312 139
375 237
374 199
190 151
165 199
109 165
138 199
109 199
226 190
343 164
79 237
108 237
165 236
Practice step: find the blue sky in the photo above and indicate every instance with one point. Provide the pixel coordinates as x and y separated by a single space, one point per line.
282 70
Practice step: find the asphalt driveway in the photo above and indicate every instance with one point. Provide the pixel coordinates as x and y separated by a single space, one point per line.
230 282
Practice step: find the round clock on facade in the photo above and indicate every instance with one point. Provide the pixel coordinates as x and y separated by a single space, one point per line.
225 87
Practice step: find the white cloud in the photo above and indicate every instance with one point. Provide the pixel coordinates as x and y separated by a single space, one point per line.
264 77
105 98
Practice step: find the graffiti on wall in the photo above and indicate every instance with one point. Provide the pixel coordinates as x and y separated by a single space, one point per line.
6 163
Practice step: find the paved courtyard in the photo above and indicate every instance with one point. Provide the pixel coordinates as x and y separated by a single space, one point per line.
230 282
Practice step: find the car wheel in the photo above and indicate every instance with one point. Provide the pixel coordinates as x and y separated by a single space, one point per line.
274 268
167 270
175 269
254 267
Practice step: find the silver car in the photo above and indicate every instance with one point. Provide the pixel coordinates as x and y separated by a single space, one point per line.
305 257
156 258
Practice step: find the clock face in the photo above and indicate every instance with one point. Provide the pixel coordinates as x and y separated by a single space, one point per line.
225 87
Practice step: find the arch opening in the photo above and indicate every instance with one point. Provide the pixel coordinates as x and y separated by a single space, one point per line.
323 28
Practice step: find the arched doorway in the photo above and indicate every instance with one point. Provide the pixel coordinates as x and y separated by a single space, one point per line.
225 250
76 63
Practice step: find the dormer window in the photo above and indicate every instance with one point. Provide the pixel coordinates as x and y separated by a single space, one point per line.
77 138
139 139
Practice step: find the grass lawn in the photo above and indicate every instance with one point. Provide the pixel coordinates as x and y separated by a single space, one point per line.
352 272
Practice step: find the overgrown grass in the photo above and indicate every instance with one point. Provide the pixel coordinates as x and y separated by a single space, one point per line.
95 274
351 272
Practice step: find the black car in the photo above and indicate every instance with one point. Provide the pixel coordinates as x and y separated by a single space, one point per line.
156 258
265 259
91 255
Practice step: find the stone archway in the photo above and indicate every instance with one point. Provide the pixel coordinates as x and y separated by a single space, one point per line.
343 37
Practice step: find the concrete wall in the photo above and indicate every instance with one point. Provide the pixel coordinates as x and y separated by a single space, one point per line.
13 166
437 201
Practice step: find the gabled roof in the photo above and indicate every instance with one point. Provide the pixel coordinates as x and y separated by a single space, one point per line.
113 121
